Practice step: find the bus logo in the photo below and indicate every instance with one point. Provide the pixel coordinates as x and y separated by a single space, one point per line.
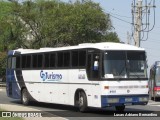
46 76
128 91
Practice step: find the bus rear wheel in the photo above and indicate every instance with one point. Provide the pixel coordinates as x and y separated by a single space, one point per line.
120 108
25 97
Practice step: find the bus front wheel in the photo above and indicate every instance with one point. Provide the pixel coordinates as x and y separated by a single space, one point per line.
25 97
81 101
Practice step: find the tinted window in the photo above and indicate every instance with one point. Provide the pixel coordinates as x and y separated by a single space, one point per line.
18 62
13 62
66 59
28 61
23 61
34 61
82 58
60 59
39 60
52 59
74 58
47 60
9 62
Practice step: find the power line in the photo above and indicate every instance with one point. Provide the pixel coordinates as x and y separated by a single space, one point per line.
118 14
141 26
120 19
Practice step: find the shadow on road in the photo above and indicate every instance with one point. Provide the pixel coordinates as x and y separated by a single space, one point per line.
70 111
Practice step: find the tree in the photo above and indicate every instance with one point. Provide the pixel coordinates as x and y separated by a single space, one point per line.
54 22
44 23
5 34
2 64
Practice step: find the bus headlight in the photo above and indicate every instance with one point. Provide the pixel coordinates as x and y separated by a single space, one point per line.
143 99
113 100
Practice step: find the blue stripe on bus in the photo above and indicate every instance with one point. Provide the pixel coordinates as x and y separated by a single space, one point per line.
135 100
13 90
10 52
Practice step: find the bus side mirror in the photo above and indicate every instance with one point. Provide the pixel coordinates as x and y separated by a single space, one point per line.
95 65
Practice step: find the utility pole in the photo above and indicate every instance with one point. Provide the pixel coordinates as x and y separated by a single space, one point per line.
140 26
128 38
138 23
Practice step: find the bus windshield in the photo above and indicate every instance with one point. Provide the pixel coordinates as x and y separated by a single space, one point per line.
157 77
124 64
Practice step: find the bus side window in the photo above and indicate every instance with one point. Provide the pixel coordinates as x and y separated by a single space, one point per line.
82 58
74 58
28 61
60 59
66 59
93 66
46 60
9 64
18 61
39 60
89 66
34 61
52 60
13 62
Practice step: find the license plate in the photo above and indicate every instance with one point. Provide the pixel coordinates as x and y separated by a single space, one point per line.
128 104
128 99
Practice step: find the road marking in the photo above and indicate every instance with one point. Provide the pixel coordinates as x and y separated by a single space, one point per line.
154 104
0 89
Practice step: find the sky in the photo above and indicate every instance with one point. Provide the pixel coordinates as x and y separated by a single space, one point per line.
121 9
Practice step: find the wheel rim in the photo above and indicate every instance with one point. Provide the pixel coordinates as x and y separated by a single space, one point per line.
81 101
24 97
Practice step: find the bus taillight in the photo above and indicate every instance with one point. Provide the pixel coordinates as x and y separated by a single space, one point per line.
156 88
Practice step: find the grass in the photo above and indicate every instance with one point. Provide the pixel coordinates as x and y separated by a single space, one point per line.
9 118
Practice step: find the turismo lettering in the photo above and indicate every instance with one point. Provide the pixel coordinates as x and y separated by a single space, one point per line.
50 76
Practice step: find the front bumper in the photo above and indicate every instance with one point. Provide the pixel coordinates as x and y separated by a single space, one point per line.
121 100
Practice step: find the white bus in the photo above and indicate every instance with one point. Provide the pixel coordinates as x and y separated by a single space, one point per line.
88 75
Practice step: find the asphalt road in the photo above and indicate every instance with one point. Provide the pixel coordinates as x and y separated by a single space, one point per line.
69 112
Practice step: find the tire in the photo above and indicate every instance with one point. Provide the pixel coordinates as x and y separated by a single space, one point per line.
82 102
25 97
155 99
152 98
120 108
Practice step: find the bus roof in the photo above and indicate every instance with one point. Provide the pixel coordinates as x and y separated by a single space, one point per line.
100 46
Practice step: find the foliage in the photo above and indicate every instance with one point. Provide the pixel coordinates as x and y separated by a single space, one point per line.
2 64
51 23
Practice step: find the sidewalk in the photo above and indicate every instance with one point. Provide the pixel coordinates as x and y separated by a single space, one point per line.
28 109
2 84
17 108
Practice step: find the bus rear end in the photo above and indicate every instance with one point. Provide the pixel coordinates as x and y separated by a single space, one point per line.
12 87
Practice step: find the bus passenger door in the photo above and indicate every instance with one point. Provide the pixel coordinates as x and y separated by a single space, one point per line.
93 66
93 71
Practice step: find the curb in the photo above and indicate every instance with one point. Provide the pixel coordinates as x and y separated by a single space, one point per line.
2 85
23 109
20 109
